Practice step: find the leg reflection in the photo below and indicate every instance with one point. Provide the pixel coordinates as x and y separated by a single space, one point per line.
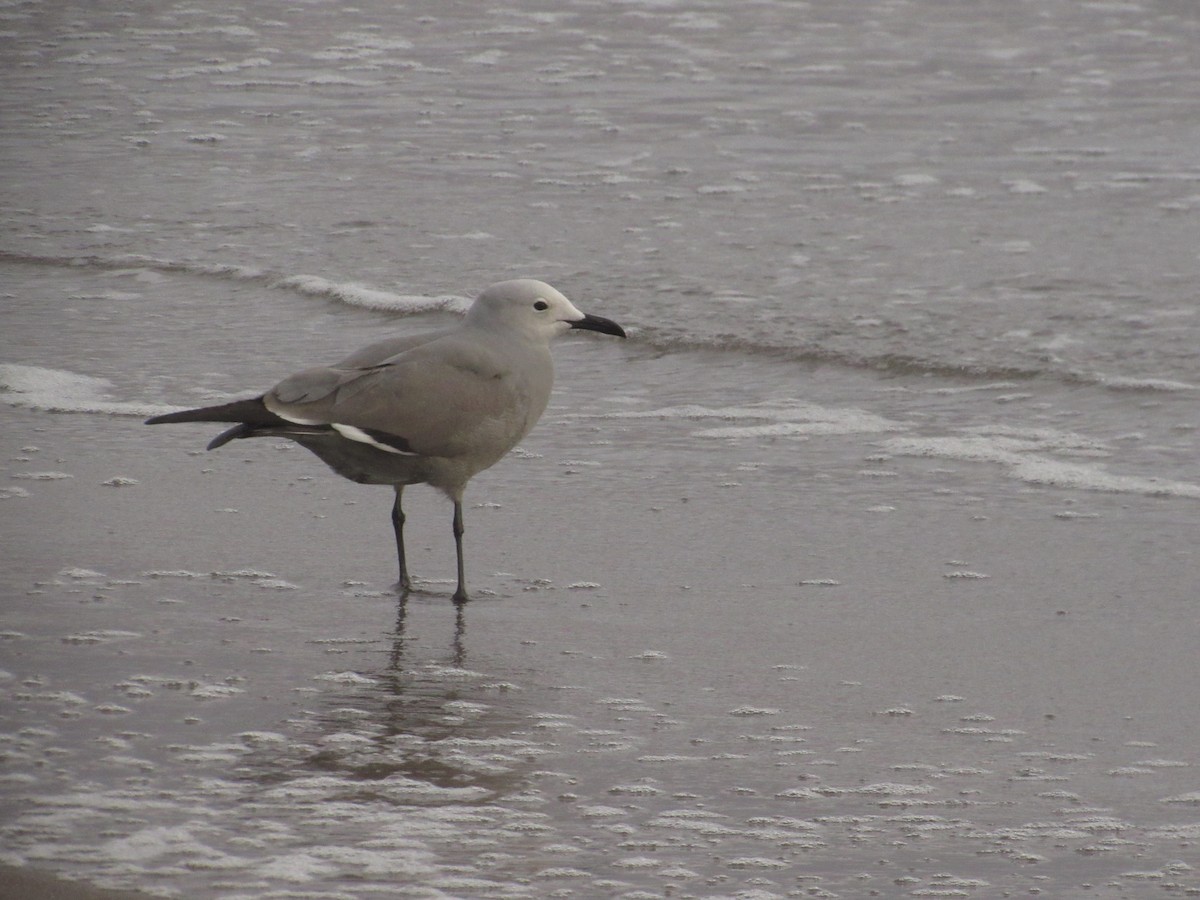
396 660
460 633
400 638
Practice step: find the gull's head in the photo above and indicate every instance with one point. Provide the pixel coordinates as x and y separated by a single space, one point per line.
535 309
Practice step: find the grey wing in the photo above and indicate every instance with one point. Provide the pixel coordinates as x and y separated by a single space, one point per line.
314 385
306 389
381 351
431 403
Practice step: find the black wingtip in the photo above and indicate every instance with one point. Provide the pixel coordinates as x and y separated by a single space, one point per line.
250 412
162 419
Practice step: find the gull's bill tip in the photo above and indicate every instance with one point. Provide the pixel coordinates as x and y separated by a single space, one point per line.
598 323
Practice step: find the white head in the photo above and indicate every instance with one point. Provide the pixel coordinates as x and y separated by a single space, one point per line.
534 308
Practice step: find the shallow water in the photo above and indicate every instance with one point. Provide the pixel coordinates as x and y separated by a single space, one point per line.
866 567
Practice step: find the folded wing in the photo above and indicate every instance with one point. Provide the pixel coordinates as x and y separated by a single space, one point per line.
445 399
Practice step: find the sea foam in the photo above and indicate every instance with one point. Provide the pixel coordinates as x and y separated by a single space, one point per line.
57 390
1023 461
353 294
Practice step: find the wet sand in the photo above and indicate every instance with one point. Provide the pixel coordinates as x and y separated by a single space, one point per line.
719 664
29 884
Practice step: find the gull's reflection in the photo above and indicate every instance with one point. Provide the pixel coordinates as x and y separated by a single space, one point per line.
417 728
400 638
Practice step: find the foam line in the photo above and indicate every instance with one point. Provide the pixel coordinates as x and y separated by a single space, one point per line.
57 390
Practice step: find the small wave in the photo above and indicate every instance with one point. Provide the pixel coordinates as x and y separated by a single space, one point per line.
57 390
1021 458
360 295
364 296
134 261
787 418
1142 384
890 363
850 424
348 293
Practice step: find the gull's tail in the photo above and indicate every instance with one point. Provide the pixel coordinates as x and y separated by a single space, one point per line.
251 416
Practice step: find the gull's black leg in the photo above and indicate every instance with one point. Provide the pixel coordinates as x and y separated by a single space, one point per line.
405 583
460 595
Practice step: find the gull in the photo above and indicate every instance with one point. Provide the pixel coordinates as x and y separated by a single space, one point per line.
433 408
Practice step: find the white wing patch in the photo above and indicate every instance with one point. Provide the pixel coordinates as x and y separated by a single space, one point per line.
357 434
294 419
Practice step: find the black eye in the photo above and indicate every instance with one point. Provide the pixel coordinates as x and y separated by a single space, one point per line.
541 305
